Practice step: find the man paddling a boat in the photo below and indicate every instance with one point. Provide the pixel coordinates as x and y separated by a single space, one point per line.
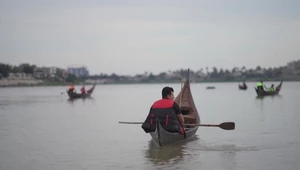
260 86
71 88
167 111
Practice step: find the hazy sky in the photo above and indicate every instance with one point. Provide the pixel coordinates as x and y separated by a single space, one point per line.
133 36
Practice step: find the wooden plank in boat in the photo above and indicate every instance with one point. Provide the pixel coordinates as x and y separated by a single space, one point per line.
189 119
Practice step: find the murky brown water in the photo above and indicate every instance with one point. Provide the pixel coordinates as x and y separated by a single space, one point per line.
41 129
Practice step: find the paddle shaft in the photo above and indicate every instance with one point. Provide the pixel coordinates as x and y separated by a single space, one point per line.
184 124
224 125
208 125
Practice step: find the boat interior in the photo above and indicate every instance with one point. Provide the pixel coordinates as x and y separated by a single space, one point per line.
188 117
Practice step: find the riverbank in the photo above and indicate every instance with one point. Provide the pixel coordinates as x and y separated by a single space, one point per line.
46 82
20 82
25 82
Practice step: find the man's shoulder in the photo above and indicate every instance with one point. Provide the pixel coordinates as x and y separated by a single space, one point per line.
175 104
176 108
163 103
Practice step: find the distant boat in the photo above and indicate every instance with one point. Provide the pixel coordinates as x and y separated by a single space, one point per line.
268 93
210 87
74 95
243 86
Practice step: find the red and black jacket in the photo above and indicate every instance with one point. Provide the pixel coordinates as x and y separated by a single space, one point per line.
164 111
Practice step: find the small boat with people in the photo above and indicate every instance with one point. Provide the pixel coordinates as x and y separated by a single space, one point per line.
74 95
269 92
190 114
191 117
243 86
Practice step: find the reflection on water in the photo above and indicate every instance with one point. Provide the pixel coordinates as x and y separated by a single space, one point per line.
262 99
168 155
190 155
273 96
72 101
164 155
259 97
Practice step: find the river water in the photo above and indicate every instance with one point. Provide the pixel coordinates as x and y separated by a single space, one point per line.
41 129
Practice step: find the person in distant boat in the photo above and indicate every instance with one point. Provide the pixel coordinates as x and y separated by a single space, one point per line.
272 89
260 86
244 84
167 111
71 88
83 90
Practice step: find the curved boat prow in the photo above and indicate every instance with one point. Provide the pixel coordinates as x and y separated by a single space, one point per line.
91 89
278 88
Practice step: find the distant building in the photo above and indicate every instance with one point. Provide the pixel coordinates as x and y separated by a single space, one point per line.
79 71
293 67
52 71
40 72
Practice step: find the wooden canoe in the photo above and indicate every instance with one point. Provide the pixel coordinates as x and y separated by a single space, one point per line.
243 87
268 93
185 100
74 95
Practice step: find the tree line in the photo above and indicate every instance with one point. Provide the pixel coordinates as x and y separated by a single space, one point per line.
5 69
203 74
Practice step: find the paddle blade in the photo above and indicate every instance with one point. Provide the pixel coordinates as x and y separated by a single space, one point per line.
227 125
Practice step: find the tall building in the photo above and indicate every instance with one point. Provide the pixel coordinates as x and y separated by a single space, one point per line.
79 71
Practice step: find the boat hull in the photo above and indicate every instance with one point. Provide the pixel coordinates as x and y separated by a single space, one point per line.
241 87
73 95
261 93
162 137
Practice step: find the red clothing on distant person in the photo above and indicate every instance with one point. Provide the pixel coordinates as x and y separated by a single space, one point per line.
82 90
71 88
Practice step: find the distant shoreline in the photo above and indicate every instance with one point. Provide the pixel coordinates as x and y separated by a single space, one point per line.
30 82
41 83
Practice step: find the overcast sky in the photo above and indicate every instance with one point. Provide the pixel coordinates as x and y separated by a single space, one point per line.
134 36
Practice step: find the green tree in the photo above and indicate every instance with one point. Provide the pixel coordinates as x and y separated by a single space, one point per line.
5 69
72 79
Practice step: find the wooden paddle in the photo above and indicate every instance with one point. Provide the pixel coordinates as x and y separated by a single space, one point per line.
224 125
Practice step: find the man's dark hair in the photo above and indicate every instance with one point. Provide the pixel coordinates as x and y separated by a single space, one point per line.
166 91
